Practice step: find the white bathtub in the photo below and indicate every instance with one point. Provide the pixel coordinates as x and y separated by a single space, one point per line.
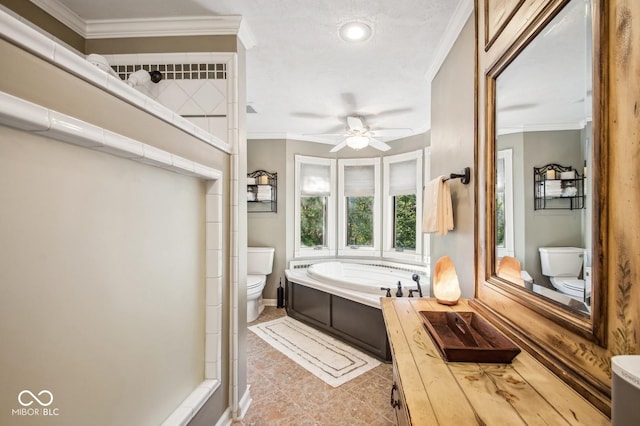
358 282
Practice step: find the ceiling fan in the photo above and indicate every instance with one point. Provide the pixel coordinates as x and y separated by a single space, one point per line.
359 136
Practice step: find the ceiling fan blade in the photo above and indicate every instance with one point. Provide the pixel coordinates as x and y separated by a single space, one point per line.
399 132
339 146
375 143
355 123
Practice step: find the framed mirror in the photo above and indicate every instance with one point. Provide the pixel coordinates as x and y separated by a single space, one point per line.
544 166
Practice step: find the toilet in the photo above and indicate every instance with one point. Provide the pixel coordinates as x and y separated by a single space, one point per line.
259 265
563 265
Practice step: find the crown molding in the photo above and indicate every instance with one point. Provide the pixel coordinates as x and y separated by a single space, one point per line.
543 127
149 27
454 27
63 14
159 27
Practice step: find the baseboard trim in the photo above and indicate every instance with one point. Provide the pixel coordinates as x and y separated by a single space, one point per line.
192 404
225 419
245 402
269 302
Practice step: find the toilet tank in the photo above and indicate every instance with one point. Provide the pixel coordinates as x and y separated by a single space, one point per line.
260 260
561 261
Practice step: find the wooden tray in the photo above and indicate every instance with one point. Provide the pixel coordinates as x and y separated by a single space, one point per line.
467 337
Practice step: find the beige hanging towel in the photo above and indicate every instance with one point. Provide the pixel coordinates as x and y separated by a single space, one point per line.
437 212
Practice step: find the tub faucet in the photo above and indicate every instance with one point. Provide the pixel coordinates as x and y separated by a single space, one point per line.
399 291
416 278
388 290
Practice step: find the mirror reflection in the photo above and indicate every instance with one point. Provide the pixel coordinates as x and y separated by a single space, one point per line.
543 156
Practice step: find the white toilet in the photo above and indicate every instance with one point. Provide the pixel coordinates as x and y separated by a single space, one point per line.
563 265
259 265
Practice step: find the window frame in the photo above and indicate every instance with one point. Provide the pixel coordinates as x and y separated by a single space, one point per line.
343 248
388 208
426 237
506 155
329 249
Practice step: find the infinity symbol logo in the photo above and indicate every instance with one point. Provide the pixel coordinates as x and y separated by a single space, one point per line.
26 404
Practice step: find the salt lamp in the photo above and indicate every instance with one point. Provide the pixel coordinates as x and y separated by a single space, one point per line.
446 287
509 269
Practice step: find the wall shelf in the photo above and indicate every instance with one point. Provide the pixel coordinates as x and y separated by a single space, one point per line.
557 187
262 192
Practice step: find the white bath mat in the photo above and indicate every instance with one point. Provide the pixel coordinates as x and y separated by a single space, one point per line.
325 357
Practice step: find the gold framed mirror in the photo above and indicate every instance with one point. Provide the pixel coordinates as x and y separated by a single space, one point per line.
545 162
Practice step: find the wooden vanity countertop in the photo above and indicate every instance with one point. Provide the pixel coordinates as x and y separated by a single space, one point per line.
437 392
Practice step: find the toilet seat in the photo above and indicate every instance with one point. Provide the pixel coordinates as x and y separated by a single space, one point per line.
254 280
571 286
255 285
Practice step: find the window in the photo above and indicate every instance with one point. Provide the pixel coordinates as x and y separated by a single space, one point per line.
315 182
403 206
359 207
504 204
359 228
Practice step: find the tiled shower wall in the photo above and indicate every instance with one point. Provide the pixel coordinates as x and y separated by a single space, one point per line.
196 90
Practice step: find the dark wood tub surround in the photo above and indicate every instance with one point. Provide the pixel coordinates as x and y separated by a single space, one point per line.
359 325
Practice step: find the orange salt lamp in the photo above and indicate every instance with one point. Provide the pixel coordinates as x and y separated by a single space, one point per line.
509 269
446 287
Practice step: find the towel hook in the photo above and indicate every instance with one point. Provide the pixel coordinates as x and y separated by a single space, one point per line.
464 176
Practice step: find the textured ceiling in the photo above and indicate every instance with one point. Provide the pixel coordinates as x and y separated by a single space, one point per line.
302 79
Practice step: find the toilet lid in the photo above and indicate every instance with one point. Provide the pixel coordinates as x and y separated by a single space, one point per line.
254 280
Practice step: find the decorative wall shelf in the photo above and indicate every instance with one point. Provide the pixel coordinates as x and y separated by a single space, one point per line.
558 187
262 192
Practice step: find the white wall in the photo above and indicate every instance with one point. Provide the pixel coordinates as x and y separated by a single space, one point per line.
102 279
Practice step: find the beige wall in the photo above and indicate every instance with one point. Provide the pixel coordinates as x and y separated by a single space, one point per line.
452 149
40 18
269 229
102 283
147 304
210 43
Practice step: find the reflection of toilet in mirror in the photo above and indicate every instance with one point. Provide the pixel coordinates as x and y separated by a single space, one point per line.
563 265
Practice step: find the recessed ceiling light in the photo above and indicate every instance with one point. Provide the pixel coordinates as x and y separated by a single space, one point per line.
355 31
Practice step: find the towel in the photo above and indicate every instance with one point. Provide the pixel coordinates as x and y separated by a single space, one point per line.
437 212
264 193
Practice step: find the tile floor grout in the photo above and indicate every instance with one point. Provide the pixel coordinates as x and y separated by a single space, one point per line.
283 393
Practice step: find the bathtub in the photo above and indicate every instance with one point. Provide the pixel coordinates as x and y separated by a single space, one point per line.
343 299
358 282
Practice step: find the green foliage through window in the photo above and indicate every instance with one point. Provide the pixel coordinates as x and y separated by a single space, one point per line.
500 219
359 221
313 216
405 221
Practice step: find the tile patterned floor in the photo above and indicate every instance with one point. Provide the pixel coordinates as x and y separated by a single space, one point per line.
284 393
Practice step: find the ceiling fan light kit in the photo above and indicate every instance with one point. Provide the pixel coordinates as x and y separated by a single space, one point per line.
357 142
359 136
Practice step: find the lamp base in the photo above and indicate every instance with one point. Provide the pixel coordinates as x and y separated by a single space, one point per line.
447 302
